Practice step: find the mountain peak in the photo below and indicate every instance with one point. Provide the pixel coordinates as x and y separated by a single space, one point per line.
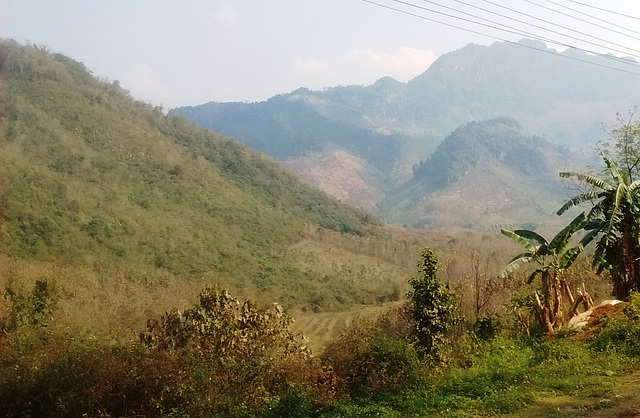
533 43
391 126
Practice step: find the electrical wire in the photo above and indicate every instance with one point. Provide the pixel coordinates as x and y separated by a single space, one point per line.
563 27
604 10
517 31
552 52
590 16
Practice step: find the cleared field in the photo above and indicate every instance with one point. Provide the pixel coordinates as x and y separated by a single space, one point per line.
321 328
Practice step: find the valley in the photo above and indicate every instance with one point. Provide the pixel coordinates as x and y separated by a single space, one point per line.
152 267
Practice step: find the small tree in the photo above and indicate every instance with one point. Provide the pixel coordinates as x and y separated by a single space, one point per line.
623 145
432 305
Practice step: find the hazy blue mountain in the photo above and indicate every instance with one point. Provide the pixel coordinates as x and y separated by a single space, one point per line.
554 94
389 127
290 125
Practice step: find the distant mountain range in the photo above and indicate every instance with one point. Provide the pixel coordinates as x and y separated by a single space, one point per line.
373 146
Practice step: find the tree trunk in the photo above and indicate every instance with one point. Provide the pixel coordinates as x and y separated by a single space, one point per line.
584 298
544 312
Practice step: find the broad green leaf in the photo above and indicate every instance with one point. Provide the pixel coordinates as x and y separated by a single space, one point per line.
613 169
517 238
531 235
562 238
570 256
588 178
577 200
515 263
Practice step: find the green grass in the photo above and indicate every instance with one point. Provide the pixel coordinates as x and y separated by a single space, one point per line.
508 377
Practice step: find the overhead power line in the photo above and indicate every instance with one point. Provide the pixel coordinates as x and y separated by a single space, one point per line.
552 52
590 16
604 10
511 29
560 26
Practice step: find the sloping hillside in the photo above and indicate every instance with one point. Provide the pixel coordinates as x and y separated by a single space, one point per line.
128 212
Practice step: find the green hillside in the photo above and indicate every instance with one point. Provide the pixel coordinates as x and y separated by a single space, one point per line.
127 212
499 140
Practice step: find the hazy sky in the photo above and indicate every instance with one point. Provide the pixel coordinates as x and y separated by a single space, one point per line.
175 53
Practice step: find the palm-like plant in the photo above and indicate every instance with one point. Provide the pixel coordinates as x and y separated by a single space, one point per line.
553 259
613 222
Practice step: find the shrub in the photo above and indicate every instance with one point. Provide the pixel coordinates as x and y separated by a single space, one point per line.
622 333
296 403
374 356
398 365
433 306
241 355
34 308
487 327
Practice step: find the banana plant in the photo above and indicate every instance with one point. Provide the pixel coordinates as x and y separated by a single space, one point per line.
613 222
553 258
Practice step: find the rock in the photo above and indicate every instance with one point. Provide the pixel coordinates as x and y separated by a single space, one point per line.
580 320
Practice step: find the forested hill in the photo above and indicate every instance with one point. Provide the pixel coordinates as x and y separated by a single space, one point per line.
93 179
484 174
498 141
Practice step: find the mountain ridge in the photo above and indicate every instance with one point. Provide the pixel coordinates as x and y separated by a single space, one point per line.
552 95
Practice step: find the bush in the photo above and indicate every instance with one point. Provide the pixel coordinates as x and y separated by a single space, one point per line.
296 403
398 365
622 334
373 357
241 355
487 328
61 377
34 308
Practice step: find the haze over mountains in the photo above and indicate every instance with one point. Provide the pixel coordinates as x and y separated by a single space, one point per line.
361 143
